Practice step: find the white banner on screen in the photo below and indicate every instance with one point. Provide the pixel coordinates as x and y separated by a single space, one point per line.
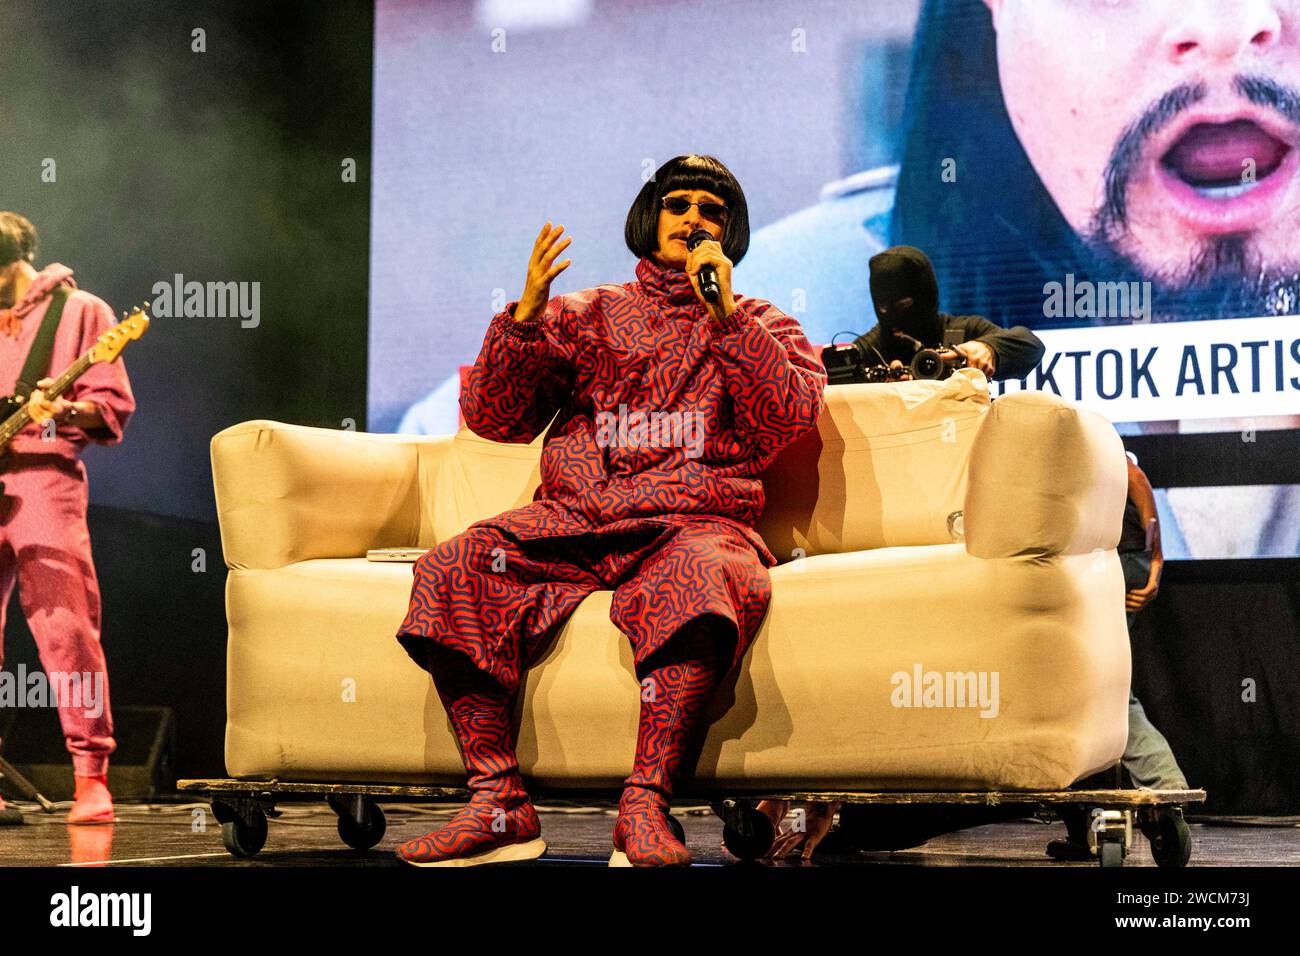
1226 368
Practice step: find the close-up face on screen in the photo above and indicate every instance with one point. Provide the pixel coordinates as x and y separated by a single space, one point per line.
1165 135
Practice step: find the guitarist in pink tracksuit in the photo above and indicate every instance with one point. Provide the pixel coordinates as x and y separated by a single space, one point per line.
44 544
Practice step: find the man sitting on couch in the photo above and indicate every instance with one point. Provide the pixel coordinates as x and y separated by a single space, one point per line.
667 403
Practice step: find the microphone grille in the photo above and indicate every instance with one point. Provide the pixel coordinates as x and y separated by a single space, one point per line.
698 236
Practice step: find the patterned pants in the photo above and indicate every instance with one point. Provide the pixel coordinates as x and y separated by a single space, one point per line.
499 599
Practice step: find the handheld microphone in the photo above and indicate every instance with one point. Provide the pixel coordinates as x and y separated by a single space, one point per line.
708 274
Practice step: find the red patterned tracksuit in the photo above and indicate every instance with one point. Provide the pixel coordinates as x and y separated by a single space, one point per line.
44 544
663 419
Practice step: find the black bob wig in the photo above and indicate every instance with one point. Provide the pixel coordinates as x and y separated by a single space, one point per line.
688 172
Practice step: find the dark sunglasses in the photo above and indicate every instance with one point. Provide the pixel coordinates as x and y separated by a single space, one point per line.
715 212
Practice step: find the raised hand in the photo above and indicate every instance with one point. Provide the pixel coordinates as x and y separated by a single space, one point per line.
542 270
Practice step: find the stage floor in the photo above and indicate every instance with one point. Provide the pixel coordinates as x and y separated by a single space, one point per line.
306 835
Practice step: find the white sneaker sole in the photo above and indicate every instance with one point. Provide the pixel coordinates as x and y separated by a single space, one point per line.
619 858
512 853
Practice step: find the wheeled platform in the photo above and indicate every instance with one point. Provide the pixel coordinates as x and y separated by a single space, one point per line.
749 834
242 808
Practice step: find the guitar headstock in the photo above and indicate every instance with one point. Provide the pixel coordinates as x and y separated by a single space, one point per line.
109 345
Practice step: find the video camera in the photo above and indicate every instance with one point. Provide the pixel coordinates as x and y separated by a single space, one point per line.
847 363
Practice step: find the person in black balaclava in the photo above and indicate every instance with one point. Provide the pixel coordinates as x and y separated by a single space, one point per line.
905 294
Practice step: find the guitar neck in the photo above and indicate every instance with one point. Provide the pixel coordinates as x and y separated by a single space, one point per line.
19 419
70 375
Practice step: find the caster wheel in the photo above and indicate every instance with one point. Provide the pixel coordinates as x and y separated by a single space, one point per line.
676 826
1171 843
245 839
363 833
1110 854
747 834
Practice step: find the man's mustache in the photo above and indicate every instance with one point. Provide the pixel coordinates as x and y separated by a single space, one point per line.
1127 155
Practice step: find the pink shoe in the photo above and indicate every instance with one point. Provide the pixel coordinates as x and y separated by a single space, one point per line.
93 803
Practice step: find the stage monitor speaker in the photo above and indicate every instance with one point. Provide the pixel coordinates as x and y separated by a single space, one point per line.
142 768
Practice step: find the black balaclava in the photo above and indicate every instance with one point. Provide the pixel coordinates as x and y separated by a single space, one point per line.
901 272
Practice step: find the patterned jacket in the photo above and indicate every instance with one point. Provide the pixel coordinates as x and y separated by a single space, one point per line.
658 412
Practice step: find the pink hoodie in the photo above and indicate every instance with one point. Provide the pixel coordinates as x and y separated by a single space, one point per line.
85 318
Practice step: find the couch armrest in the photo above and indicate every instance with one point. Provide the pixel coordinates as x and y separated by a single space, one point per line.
288 493
1046 477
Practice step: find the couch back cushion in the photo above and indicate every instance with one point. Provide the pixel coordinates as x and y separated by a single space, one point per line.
471 480
885 467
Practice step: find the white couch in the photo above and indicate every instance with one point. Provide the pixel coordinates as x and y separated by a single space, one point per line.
875 584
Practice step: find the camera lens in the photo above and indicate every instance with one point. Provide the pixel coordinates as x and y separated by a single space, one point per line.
927 364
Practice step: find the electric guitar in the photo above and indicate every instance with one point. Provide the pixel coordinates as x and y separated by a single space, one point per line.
107 347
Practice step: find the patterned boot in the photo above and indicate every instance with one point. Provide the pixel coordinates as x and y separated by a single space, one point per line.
499 824
673 699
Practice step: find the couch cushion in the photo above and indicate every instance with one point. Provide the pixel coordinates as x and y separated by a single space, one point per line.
474 479
1067 497
902 448
319 688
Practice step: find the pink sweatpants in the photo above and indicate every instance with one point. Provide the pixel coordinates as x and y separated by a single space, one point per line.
45 548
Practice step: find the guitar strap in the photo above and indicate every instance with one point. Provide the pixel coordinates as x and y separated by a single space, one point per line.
35 367
38 358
